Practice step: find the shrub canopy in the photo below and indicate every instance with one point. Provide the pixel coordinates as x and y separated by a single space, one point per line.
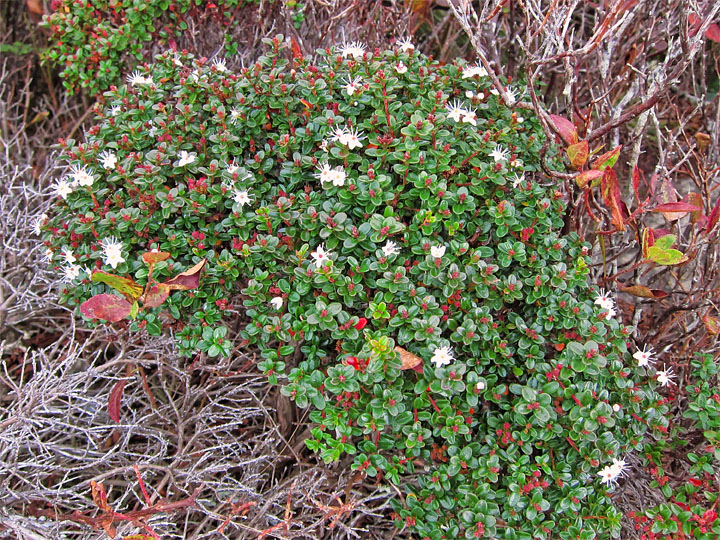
349 205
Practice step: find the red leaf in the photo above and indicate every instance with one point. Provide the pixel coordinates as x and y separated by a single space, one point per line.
35 7
578 153
711 325
611 196
361 323
408 359
644 292
189 279
653 184
695 199
676 207
156 296
694 24
667 194
584 178
636 183
153 257
295 48
713 218
115 401
713 33
109 307
566 128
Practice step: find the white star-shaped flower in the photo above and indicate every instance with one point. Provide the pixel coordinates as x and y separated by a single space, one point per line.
186 158
348 137
135 78
39 222
644 357
81 176
277 302
320 256
610 313
401 68
604 300
518 180
114 110
108 160
219 65
665 376
241 197
232 168
500 154
469 116
339 134
455 110
437 251
351 138
609 474
235 115
352 85
325 173
405 45
354 138
355 49
472 71
511 96
70 273
442 356
337 176
112 251
390 248
68 255
616 407
481 385
47 256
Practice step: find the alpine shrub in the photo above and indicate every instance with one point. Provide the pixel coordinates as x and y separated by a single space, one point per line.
387 216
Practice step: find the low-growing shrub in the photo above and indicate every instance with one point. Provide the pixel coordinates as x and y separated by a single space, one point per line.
96 42
692 494
386 216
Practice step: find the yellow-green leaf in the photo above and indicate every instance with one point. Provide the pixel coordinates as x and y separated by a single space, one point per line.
125 286
666 257
607 160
